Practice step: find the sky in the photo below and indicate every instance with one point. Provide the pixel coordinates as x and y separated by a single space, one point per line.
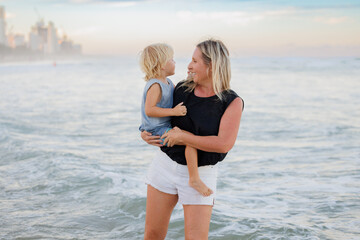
321 28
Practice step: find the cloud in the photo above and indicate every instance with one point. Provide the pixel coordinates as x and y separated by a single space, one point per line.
9 15
233 17
326 5
122 4
80 1
331 20
87 31
281 12
114 3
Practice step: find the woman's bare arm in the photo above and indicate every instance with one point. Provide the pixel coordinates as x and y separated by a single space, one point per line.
222 143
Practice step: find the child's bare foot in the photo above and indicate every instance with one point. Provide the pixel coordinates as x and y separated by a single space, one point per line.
200 187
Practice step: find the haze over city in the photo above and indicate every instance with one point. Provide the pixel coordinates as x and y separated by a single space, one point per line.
250 28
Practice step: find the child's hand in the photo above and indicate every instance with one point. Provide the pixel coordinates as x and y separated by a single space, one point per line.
180 110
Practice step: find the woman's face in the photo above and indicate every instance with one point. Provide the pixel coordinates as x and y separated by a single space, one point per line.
197 69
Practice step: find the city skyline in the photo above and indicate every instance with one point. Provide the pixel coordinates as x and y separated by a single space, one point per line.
249 28
42 39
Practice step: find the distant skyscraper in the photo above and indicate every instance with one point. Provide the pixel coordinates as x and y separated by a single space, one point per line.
3 39
38 37
42 40
35 41
16 40
52 41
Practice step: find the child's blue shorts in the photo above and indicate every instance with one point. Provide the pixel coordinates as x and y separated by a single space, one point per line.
162 139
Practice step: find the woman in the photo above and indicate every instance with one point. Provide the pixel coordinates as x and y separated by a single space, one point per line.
211 126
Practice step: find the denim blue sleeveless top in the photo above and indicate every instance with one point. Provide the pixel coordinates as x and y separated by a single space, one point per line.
157 126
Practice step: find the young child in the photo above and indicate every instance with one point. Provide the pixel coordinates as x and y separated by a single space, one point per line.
157 63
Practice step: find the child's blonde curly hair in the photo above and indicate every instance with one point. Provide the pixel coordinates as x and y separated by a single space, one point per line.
153 58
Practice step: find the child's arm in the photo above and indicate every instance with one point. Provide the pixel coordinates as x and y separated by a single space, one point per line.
153 96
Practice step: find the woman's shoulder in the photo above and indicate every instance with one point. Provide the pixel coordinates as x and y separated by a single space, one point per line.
230 92
230 95
181 88
181 92
180 85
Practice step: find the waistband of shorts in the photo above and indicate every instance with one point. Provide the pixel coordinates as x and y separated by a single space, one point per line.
166 161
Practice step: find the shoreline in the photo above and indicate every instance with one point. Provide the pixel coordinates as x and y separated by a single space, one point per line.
36 58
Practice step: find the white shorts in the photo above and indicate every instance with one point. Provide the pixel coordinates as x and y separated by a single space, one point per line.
168 176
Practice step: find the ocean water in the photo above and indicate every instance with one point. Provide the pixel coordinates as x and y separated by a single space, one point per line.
72 162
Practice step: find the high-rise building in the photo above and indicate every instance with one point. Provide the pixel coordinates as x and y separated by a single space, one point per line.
16 40
42 39
3 38
52 40
35 41
42 32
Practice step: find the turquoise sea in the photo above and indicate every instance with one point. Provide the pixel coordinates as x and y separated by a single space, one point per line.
72 162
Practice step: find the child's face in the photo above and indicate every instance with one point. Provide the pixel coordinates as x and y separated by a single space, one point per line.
170 67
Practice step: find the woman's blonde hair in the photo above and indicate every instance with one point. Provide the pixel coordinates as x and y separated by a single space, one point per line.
153 58
216 56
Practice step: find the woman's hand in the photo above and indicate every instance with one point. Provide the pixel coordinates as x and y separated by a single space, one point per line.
150 139
173 137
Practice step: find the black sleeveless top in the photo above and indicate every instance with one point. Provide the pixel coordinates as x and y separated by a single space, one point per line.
202 118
